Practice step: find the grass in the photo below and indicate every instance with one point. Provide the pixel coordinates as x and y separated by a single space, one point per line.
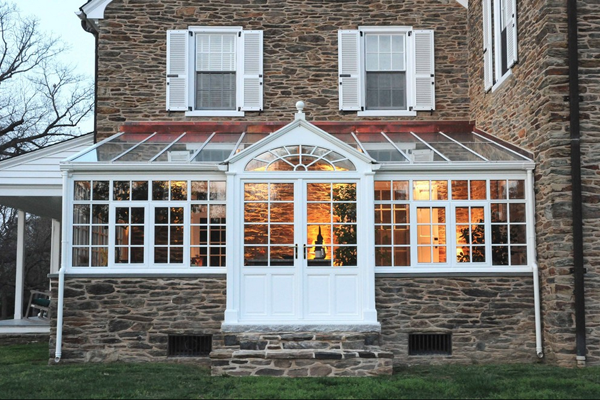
25 374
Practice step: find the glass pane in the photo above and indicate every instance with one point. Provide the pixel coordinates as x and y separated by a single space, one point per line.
122 215
382 190
137 215
82 190
256 191
400 190
319 191
420 190
256 234
282 192
176 215
99 256
121 255
256 212
176 255
255 255
383 214
217 235
477 214
462 215
137 235
439 190
161 235
139 190
178 190
217 256
499 212
344 212
383 234
401 214
199 235
81 235
500 255
280 165
498 189
101 189
282 212
81 257
439 215
81 214
344 234
478 190
218 190
518 234
319 234
199 190
499 234
517 212
401 256
137 255
161 215
460 190
199 214
218 214
401 235
160 190
281 234
282 256
463 235
383 256
344 256
518 255
161 255
100 235
516 189
176 235
198 257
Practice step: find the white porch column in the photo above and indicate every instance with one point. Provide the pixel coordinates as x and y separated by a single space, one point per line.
20 266
55 247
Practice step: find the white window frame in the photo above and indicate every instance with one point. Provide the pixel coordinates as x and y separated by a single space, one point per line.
492 42
194 30
148 266
451 266
410 70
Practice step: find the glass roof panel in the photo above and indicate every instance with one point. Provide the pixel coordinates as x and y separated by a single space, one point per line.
379 148
348 139
182 149
112 148
414 148
147 150
219 148
451 150
488 149
249 139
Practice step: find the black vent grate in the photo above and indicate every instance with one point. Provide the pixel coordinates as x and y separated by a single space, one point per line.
189 346
426 344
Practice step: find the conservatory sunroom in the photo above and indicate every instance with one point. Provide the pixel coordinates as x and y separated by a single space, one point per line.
299 217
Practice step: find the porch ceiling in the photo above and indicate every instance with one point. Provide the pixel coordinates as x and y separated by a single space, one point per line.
43 206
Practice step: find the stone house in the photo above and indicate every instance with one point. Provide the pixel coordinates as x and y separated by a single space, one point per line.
313 188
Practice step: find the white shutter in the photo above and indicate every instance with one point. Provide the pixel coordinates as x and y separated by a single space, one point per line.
177 74
488 66
251 71
424 70
511 32
350 73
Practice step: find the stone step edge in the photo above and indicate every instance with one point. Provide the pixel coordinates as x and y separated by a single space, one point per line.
299 354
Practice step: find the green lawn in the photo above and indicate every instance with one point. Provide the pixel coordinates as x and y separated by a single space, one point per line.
24 374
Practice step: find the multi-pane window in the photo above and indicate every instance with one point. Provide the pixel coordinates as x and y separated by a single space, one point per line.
456 223
215 71
385 57
90 224
392 223
207 224
499 39
121 223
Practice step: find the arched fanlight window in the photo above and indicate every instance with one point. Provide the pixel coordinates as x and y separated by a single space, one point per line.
300 158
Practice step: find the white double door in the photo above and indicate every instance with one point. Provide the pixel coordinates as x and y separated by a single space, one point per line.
300 252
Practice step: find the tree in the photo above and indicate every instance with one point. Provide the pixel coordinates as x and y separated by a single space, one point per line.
41 101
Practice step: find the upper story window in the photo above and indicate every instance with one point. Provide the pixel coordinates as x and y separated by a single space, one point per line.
499 40
386 71
214 71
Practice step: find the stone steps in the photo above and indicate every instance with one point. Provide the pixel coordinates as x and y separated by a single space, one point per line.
300 354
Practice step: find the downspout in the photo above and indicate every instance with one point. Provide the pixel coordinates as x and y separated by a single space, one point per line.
531 255
577 202
61 272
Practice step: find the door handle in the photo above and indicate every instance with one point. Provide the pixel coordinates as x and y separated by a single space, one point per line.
296 250
305 251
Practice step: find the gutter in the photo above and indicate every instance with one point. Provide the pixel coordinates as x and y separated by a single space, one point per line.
577 202
61 273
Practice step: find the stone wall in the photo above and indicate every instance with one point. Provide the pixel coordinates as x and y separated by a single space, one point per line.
530 110
130 319
25 338
491 320
300 54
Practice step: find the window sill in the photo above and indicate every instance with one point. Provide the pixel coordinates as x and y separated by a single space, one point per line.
224 113
504 77
387 113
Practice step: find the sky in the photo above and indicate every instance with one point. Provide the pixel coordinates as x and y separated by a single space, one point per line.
58 17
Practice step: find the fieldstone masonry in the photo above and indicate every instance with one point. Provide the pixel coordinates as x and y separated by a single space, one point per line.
129 319
300 54
530 110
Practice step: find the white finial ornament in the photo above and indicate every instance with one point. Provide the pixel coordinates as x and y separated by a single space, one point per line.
300 107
